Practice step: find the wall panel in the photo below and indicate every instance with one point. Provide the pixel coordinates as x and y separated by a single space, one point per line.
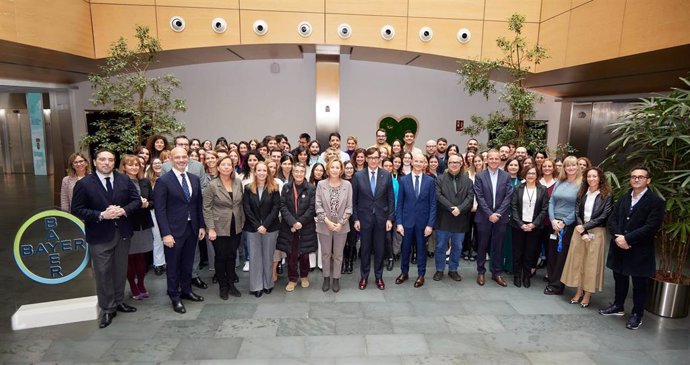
378 7
125 2
493 30
453 9
307 6
502 9
552 8
445 40
110 22
8 29
366 30
37 24
553 35
198 31
595 32
654 25
282 27
216 4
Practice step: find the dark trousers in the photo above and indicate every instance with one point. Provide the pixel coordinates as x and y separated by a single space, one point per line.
226 254
556 260
525 250
544 243
469 245
372 239
490 234
109 260
294 258
180 259
388 244
414 234
639 291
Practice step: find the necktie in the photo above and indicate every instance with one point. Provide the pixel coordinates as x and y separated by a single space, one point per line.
373 182
455 184
185 188
109 187
416 186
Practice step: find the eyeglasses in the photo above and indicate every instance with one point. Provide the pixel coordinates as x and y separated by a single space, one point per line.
638 177
78 162
454 162
373 157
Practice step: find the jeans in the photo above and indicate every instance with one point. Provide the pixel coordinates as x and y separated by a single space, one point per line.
456 239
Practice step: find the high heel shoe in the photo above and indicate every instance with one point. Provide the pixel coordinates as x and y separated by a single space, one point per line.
584 305
575 301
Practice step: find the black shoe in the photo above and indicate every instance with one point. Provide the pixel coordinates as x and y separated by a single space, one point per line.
124 308
389 265
634 322
236 279
473 258
224 293
526 282
158 270
232 290
454 275
430 254
214 279
326 286
517 281
268 291
192 296
178 307
199 283
396 257
438 275
336 285
552 291
257 293
612 310
106 319
466 257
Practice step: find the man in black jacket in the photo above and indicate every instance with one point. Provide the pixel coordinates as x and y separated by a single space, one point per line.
636 218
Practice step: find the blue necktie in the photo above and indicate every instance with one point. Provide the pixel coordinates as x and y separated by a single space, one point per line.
372 181
416 186
185 188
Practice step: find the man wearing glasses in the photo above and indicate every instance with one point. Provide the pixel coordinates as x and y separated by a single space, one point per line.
635 220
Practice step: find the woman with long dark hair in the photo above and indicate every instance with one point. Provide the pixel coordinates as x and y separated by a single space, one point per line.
157 144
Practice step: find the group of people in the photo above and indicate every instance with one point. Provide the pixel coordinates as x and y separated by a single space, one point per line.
269 205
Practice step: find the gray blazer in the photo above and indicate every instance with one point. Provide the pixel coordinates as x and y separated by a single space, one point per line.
193 167
323 206
219 208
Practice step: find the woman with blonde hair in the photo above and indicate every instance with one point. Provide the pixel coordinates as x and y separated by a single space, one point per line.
77 167
261 204
333 210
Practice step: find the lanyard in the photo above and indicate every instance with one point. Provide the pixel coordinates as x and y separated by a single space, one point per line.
560 240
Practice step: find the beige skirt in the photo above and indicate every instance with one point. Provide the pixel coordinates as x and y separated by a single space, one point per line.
584 266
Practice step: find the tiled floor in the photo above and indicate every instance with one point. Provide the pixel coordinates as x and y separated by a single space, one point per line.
441 323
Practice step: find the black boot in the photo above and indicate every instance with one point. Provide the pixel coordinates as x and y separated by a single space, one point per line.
517 280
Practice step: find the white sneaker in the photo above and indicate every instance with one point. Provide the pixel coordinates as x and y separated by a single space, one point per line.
246 266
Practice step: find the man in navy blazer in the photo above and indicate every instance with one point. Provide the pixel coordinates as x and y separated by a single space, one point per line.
373 214
415 217
104 200
493 191
179 214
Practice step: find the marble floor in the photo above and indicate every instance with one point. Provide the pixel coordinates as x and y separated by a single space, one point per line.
440 323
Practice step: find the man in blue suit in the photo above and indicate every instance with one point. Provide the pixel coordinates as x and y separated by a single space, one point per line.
104 200
415 215
180 219
493 191
373 213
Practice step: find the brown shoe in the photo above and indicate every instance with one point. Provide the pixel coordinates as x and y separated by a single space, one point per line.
419 282
454 275
438 275
499 280
480 279
401 278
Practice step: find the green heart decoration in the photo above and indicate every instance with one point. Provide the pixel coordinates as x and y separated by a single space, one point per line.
395 128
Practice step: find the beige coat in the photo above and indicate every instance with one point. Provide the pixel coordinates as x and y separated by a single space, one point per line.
323 206
219 208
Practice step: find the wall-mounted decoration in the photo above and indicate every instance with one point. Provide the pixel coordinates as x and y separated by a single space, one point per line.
395 127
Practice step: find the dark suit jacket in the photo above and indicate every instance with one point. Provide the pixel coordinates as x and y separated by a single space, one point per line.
541 207
446 197
416 211
600 212
484 195
639 226
304 213
381 203
172 208
90 199
261 212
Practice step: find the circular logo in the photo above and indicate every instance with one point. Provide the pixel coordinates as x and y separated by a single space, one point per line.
50 248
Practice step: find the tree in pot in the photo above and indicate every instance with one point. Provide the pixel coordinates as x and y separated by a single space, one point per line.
145 104
656 133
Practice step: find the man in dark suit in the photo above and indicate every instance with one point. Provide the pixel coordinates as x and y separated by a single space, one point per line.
493 191
635 220
415 216
373 213
104 200
180 219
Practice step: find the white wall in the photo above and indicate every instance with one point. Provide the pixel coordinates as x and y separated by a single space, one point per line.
243 99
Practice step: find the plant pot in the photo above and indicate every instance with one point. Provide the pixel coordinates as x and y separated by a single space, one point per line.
668 299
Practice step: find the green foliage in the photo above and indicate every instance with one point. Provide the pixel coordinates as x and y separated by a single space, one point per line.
146 103
475 78
656 133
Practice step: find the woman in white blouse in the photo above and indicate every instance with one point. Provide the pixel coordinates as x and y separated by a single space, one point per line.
529 206
584 267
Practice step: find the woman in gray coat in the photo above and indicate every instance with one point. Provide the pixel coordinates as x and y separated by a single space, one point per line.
333 210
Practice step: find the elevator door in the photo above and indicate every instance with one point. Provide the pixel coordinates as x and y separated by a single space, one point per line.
17 155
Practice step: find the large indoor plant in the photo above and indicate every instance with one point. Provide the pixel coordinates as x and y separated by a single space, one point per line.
656 133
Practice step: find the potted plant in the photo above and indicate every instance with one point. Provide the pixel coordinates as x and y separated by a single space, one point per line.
656 134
